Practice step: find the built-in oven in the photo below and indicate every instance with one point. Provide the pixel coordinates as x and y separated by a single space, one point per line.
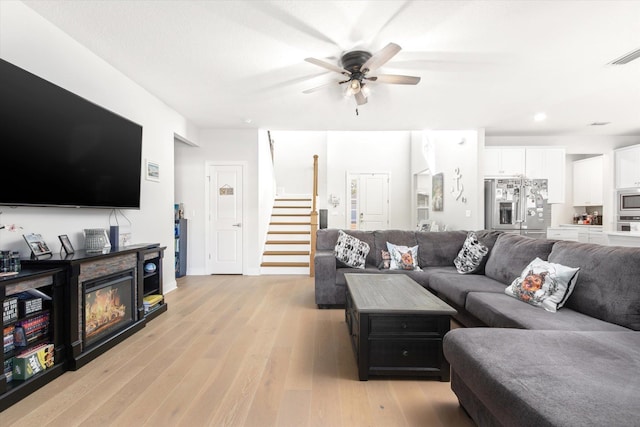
628 215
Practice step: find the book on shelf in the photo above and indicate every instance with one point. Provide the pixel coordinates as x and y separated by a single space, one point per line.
32 361
150 302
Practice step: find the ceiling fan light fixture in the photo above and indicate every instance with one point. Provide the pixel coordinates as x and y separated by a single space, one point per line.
355 86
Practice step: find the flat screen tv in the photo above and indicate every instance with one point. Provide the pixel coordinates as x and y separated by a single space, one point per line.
59 149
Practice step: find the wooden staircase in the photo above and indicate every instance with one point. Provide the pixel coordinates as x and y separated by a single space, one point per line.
288 245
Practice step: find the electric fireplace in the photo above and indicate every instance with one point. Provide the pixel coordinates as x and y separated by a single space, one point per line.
108 306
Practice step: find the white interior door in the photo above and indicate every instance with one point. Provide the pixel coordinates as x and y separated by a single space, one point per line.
225 219
369 204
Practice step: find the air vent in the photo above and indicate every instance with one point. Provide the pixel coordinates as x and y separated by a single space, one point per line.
625 59
599 123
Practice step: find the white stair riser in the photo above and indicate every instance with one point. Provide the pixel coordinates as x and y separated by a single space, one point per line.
302 219
305 211
302 237
297 227
284 270
305 247
285 258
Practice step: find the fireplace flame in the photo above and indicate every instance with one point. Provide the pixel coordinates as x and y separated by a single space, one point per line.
104 311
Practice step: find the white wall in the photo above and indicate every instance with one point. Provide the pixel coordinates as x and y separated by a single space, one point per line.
377 152
30 42
294 151
224 146
451 150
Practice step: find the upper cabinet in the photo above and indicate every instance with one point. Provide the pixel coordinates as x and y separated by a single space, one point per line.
504 161
628 167
532 162
587 181
549 164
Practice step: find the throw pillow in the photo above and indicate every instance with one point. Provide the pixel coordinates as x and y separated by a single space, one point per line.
470 257
386 260
403 257
351 251
544 284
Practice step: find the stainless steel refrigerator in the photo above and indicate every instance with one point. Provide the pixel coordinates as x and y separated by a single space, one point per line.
517 205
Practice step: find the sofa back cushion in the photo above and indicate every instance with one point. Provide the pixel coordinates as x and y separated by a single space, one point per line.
326 239
439 249
608 286
512 253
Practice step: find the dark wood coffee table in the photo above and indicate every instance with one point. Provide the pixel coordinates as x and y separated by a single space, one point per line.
396 326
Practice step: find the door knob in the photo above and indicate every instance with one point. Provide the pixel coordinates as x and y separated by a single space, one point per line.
237 225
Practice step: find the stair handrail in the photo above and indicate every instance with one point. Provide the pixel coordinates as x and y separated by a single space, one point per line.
314 217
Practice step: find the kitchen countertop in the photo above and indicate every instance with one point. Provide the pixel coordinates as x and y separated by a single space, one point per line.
581 226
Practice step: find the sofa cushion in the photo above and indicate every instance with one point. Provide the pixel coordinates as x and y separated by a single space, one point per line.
440 248
396 237
351 251
544 284
403 257
502 311
546 378
511 254
327 238
608 285
471 256
455 287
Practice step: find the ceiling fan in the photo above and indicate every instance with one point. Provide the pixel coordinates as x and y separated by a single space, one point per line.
355 67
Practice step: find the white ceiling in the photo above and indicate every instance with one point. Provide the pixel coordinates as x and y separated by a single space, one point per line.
487 64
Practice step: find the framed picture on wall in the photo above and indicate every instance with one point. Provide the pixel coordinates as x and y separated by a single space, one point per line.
437 191
152 171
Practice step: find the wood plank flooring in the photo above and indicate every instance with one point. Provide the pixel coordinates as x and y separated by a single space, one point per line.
236 351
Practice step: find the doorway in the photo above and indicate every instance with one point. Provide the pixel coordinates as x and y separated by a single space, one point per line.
225 218
368 206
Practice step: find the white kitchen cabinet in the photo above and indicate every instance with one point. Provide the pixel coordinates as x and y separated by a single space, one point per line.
549 164
504 161
587 182
627 164
561 233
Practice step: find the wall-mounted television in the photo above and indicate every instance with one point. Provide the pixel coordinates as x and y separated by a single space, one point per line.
59 149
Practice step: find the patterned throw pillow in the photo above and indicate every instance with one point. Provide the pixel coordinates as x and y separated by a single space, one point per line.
386 260
470 257
403 257
351 251
544 284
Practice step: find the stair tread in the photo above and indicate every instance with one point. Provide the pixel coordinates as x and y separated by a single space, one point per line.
290 223
290 214
284 264
291 207
287 242
284 199
286 253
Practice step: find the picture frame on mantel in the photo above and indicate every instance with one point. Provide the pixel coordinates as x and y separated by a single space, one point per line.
37 245
66 244
152 171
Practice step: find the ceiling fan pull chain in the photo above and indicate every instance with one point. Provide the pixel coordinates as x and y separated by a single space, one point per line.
357 112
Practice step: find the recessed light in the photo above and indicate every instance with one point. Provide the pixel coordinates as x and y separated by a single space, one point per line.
539 117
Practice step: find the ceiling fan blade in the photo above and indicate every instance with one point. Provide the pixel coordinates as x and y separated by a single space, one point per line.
381 57
317 88
360 98
327 65
395 79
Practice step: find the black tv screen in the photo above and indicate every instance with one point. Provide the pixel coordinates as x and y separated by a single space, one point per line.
59 149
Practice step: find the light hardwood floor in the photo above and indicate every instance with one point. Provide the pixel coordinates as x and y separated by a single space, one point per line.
236 351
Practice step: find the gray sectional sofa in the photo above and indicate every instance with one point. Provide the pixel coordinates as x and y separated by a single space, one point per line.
521 365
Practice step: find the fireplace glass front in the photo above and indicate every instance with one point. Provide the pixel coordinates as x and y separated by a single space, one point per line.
108 306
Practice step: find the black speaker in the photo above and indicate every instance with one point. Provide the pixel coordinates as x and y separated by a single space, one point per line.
323 218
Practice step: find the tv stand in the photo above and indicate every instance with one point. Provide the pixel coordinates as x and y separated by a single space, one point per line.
67 280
